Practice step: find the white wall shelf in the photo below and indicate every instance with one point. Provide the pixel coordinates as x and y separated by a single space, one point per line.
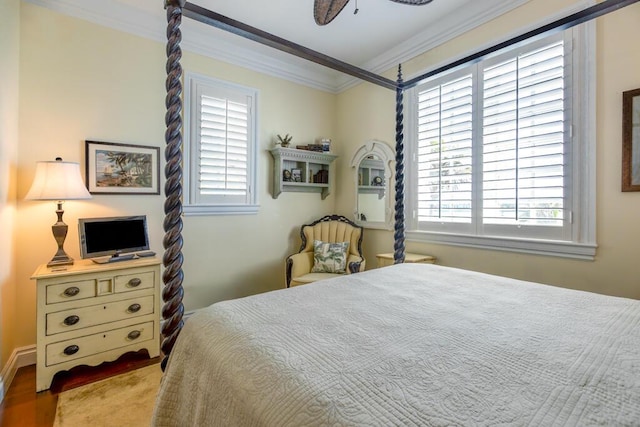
314 171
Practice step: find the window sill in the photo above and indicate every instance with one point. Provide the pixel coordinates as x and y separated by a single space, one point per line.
192 210
583 251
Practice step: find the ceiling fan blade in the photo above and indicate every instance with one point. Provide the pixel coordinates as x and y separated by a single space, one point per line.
325 10
413 2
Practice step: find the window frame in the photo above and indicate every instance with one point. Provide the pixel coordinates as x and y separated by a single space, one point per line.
579 237
194 203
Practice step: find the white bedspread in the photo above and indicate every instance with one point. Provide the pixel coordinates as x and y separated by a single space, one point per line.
411 344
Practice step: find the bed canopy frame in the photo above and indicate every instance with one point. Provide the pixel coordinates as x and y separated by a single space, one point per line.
173 291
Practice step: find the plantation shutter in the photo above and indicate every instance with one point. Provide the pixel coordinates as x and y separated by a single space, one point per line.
523 139
222 175
223 147
444 155
220 147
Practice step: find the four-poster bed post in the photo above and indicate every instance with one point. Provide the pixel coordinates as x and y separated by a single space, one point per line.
172 293
398 233
173 276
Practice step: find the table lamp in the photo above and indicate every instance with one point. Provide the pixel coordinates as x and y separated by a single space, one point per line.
58 181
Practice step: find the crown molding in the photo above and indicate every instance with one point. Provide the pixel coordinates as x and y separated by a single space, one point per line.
580 5
130 20
478 13
121 17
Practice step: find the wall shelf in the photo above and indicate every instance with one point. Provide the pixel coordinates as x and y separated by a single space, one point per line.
314 171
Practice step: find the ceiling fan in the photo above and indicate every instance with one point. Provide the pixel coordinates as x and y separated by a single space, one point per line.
325 10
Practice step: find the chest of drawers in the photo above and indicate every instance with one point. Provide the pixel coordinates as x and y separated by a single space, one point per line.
92 313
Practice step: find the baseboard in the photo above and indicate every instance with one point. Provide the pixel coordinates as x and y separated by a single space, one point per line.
25 356
22 356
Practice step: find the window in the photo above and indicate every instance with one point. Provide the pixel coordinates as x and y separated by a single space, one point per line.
500 158
220 147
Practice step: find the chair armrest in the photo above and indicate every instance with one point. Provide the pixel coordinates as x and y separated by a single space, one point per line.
298 265
355 264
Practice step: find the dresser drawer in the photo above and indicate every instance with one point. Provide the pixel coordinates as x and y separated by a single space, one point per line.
71 291
89 345
132 282
89 313
78 318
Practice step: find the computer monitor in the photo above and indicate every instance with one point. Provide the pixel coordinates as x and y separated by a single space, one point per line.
113 235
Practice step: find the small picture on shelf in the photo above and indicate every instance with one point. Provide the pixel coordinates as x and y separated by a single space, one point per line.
377 181
296 175
286 175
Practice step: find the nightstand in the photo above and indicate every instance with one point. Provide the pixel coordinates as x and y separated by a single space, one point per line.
387 259
90 313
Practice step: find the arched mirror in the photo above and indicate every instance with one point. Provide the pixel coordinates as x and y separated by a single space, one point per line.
373 170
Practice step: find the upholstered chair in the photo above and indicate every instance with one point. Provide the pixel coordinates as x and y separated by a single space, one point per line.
332 229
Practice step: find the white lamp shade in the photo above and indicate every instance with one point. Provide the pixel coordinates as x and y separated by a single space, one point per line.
57 180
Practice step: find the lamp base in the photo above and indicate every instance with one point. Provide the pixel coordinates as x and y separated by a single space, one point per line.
59 230
60 259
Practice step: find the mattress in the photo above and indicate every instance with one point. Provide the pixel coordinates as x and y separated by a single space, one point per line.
410 345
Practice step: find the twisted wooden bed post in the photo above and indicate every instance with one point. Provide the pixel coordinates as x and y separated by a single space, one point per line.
398 245
172 293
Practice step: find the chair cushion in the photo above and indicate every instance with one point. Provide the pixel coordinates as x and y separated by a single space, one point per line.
312 277
329 257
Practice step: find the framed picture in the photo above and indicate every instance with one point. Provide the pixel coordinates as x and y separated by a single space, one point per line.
631 140
296 175
122 168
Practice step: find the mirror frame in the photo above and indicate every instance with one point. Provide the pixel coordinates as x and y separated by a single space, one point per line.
387 155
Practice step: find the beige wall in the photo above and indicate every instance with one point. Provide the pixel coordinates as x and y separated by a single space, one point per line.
80 81
614 269
9 69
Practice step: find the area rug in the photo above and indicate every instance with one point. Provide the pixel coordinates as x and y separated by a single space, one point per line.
122 400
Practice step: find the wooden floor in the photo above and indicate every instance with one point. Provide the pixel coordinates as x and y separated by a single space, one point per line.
22 406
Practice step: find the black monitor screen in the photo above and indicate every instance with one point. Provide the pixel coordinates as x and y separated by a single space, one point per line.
107 236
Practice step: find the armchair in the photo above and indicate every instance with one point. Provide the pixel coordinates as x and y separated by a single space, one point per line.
330 229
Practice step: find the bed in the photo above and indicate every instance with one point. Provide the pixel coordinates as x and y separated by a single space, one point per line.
408 344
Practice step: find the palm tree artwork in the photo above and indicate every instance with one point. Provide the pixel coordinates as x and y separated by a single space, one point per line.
123 169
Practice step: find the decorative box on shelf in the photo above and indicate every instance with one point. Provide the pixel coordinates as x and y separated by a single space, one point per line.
302 171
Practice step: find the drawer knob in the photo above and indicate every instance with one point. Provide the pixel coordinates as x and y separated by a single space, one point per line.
133 308
72 349
133 335
71 320
134 283
72 291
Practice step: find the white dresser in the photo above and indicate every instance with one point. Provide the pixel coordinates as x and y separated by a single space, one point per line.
92 313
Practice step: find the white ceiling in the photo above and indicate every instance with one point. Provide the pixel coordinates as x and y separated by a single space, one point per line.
381 35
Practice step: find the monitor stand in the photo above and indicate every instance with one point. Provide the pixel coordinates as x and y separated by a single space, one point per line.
113 258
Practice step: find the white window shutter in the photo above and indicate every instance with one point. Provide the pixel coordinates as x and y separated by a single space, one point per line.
523 139
223 147
445 126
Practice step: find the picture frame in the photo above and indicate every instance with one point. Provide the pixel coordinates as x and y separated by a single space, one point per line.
114 168
631 140
296 175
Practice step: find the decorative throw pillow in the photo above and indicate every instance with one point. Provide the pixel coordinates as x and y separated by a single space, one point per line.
329 257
